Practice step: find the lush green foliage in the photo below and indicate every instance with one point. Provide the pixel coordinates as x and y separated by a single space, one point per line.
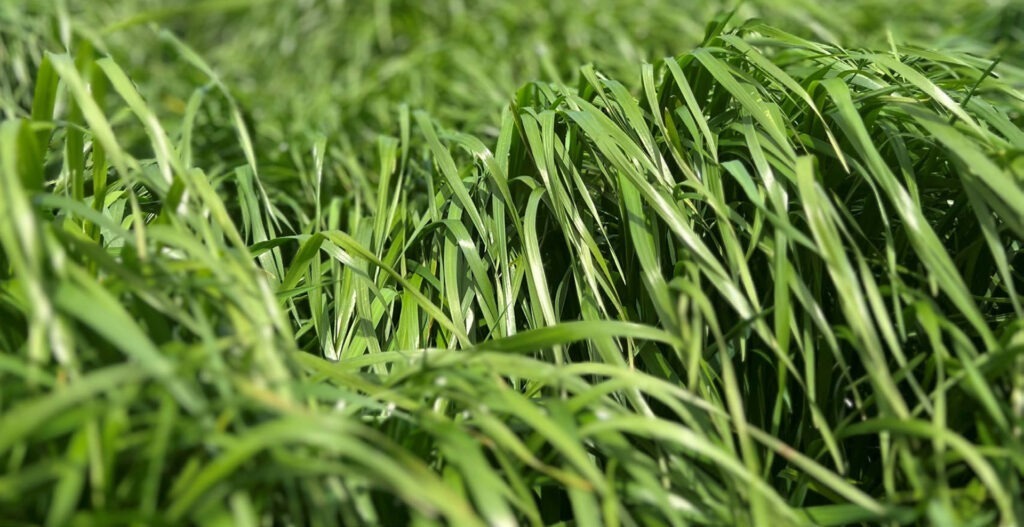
343 262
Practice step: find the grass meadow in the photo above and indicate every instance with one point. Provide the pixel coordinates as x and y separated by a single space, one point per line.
475 262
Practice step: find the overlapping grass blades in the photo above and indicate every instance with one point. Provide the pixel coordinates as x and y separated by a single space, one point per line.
777 284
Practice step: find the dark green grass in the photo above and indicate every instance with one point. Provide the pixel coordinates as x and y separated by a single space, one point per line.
768 281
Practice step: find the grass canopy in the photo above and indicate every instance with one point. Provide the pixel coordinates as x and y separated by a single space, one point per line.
772 280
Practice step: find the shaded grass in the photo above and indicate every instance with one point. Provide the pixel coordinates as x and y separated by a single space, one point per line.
771 281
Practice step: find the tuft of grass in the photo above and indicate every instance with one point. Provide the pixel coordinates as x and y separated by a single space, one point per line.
772 280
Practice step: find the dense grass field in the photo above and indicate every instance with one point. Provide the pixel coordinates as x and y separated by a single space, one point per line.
476 262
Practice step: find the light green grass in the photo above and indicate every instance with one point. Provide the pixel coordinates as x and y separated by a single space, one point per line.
387 279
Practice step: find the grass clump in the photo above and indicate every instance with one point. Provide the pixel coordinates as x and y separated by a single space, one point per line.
768 281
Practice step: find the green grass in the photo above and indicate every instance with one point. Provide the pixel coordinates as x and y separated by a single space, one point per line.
412 268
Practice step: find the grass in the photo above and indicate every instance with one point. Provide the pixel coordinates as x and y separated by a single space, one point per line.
406 270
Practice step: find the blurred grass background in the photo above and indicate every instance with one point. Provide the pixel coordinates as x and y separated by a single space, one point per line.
342 67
